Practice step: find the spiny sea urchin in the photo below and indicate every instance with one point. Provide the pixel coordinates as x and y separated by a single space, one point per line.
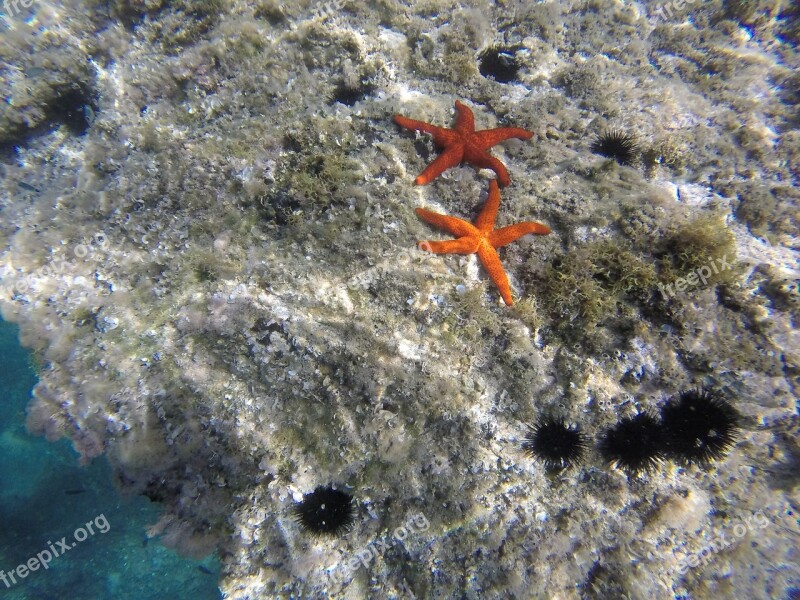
325 511
555 443
500 63
635 444
349 93
699 426
616 144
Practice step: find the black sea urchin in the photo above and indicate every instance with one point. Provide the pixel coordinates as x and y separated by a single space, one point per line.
500 63
699 426
616 144
635 444
348 95
325 511
555 443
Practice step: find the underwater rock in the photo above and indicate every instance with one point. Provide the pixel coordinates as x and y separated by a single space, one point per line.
220 282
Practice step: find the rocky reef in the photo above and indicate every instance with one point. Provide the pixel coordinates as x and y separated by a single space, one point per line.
209 240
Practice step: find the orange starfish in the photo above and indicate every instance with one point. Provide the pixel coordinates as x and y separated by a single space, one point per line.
481 237
463 144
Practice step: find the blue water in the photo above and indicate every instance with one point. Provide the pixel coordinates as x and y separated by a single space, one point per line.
45 495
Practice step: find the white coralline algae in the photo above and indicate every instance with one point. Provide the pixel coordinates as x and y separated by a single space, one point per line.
209 241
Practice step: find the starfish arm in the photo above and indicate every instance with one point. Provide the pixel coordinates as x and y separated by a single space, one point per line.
484 160
491 262
451 157
407 123
486 138
465 120
485 220
463 245
500 237
457 227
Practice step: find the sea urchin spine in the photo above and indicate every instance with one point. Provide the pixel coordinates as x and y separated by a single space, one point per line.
635 444
699 426
555 443
616 144
325 511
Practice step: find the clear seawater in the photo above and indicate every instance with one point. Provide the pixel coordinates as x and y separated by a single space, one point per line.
46 495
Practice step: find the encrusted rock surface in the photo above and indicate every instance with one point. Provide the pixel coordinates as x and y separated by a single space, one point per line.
208 238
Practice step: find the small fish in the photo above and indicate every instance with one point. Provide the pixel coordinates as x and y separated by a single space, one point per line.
28 187
74 492
204 569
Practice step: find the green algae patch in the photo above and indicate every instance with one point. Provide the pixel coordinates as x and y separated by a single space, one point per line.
585 285
704 244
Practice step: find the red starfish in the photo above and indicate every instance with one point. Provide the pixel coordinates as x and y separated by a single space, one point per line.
463 144
481 237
